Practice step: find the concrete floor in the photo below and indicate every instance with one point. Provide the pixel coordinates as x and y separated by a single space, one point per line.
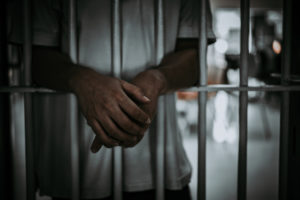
263 154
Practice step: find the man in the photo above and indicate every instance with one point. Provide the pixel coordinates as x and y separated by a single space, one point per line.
118 111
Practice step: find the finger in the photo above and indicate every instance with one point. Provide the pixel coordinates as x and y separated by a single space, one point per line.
139 138
111 128
96 145
125 123
102 136
134 111
135 92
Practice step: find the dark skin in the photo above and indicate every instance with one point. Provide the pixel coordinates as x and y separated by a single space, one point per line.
119 112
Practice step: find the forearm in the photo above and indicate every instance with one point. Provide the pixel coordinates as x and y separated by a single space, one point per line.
55 70
177 70
103 100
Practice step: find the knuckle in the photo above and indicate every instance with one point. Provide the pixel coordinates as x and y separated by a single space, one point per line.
119 97
134 127
137 115
121 137
131 128
115 80
107 103
116 135
117 83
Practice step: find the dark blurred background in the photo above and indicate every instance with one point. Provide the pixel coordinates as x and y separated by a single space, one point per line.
265 47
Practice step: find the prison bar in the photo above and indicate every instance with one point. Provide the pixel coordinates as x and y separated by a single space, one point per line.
284 110
202 89
6 172
202 95
208 88
74 134
117 71
283 154
159 166
243 102
27 41
161 114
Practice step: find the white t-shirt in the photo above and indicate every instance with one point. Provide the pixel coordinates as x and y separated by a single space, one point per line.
51 111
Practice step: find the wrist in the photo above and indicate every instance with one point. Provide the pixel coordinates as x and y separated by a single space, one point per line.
159 81
79 76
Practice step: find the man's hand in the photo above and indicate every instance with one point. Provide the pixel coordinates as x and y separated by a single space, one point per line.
105 101
112 115
152 83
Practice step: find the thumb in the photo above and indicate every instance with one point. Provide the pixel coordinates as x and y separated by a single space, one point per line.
134 92
96 145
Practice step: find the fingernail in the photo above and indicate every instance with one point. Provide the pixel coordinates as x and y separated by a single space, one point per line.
148 121
146 98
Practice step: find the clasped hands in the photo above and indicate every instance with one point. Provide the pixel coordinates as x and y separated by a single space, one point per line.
119 112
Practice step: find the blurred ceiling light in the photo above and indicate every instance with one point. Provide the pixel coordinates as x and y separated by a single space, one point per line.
276 47
221 46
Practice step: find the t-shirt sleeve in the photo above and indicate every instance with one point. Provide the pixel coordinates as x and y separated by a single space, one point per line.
46 18
189 20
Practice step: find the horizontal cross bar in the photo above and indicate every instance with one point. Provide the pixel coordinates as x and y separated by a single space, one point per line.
229 88
24 89
209 88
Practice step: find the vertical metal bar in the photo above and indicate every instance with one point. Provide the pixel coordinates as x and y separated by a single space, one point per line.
75 179
30 171
6 172
243 102
245 12
72 30
3 46
283 154
287 41
74 140
27 41
117 69
284 113
201 186
160 131
242 155
160 149
202 43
